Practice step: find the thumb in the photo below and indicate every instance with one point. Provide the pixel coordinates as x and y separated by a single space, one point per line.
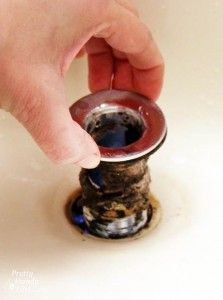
41 107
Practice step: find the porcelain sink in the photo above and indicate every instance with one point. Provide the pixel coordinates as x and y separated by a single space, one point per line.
43 257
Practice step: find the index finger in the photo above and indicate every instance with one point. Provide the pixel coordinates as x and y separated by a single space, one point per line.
127 34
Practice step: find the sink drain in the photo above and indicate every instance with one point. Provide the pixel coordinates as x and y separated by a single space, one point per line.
75 216
115 202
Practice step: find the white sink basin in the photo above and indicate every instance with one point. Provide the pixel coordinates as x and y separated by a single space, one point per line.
43 257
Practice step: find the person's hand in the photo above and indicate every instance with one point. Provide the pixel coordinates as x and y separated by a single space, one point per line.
38 41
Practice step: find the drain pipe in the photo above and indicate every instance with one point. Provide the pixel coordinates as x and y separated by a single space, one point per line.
128 128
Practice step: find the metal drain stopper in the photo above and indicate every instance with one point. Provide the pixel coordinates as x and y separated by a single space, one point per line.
128 128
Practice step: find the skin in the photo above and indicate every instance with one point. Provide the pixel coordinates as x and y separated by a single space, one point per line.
38 41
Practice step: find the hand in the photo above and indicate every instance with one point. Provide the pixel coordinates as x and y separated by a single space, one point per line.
38 41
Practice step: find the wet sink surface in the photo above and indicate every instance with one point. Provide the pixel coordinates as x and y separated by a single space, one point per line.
43 257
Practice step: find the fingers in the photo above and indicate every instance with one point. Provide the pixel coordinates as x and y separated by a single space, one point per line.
135 62
129 35
42 109
81 53
146 82
100 64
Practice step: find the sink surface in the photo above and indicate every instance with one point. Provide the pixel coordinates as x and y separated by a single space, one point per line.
43 257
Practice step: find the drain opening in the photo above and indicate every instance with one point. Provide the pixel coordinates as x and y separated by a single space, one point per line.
115 127
74 213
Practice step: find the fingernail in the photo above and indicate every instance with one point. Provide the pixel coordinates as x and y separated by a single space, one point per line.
90 162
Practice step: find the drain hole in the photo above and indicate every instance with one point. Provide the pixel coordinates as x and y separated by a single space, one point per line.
75 215
115 129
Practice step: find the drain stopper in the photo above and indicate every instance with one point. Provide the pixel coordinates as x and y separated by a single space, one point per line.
128 128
